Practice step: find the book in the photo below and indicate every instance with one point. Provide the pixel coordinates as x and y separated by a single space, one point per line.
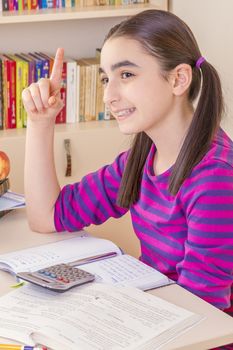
5 5
4 186
11 200
61 117
10 91
81 88
44 62
38 65
71 93
88 89
1 97
24 82
93 316
50 58
89 253
31 67
19 89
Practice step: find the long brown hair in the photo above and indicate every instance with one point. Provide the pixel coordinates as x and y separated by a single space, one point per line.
166 37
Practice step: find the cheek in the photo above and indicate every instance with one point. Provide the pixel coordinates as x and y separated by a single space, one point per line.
158 97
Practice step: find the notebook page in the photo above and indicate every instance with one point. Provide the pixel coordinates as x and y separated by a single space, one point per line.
64 251
125 270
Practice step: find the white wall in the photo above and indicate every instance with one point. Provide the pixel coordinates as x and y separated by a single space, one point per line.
212 23
79 38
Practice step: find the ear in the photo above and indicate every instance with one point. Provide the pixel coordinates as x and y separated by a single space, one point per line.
181 79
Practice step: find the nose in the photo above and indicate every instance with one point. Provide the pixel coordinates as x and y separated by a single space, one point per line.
111 93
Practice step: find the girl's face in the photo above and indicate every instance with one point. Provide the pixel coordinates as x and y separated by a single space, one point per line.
135 91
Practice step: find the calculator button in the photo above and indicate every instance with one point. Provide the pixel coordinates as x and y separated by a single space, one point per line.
66 280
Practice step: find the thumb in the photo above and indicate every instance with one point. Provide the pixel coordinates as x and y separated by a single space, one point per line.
55 102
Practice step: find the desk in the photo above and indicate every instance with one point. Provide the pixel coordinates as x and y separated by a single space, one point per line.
215 330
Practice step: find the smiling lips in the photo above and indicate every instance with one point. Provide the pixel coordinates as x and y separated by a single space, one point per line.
123 113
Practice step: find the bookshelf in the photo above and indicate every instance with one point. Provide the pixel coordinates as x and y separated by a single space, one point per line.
79 31
79 13
93 144
89 26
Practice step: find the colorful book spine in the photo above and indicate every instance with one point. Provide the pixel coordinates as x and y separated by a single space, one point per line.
44 4
19 89
50 60
44 64
12 93
31 67
16 5
34 4
38 66
11 5
10 69
4 91
21 5
61 117
25 83
1 96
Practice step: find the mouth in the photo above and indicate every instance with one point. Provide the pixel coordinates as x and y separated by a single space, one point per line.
124 113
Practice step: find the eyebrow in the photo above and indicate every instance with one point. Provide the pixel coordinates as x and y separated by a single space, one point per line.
120 64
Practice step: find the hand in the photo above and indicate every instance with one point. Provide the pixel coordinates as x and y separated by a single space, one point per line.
42 99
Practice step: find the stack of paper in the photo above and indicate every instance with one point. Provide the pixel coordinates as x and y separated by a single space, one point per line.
11 200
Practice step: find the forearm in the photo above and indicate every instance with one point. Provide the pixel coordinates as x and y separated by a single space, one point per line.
42 102
41 184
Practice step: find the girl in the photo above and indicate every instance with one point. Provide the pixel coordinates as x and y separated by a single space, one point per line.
176 179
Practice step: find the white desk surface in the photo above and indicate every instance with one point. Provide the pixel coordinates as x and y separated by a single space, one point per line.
215 330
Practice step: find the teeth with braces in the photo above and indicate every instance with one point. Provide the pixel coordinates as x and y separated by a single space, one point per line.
125 112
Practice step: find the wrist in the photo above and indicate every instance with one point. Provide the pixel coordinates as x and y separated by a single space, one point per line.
41 123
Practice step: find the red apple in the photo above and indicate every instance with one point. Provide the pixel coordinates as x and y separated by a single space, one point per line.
4 165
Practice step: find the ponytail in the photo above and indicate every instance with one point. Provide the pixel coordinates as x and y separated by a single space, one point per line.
205 122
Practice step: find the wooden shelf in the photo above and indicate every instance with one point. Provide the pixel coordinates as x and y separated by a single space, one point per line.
93 126
78 13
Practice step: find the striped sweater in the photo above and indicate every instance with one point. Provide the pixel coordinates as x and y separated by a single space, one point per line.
188 237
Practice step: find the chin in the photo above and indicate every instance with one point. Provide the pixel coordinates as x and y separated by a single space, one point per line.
127 131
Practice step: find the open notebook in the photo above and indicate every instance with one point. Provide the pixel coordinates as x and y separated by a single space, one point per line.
98 256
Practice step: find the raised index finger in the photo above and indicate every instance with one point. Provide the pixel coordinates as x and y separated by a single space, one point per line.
56 74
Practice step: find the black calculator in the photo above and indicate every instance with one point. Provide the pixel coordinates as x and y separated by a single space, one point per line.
58 278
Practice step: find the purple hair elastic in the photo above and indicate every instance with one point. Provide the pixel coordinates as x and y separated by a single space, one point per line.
199 62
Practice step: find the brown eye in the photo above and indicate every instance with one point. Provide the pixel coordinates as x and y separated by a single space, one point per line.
126 75
104 80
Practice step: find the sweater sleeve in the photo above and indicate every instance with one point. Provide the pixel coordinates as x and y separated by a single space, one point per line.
207 267
92 200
